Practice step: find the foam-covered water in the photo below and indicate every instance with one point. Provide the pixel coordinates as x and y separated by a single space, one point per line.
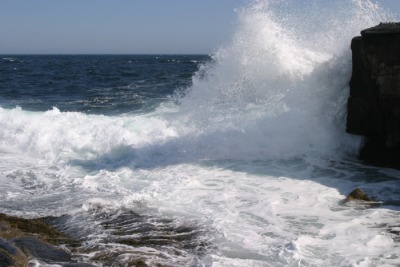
246 167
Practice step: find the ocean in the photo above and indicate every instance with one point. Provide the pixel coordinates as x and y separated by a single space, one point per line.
239 158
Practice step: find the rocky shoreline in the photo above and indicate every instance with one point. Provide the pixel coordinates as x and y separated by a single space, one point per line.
27 242
128 239
38 242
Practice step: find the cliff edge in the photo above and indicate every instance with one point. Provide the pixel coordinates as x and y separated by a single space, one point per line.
374 102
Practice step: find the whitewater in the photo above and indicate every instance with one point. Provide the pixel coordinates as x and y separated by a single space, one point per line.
250 162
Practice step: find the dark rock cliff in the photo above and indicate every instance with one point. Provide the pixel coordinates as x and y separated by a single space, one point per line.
374 102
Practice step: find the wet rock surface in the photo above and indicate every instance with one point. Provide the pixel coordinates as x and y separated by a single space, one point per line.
131 239
24 241
40 250
100 238
357 195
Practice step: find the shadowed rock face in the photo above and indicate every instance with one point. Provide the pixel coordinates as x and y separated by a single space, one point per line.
374 103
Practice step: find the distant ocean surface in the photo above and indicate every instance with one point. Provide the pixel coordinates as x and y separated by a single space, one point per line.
94 84
235 159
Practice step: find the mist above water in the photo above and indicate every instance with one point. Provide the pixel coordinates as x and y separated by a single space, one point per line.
280 87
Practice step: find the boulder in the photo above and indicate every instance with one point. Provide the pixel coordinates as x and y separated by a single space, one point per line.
357 195
374 102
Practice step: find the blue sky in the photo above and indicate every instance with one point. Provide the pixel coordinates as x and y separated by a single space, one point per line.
115 26
120 26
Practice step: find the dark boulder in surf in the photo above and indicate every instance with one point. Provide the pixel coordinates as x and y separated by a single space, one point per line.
357 195
374 102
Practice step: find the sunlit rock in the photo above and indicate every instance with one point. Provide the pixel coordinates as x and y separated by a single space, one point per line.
357 195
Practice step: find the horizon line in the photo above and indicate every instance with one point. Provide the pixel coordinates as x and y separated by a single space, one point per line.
105 54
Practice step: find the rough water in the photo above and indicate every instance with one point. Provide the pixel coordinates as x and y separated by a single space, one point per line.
238 159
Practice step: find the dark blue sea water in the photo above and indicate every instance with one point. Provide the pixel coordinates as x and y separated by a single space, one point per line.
95 84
